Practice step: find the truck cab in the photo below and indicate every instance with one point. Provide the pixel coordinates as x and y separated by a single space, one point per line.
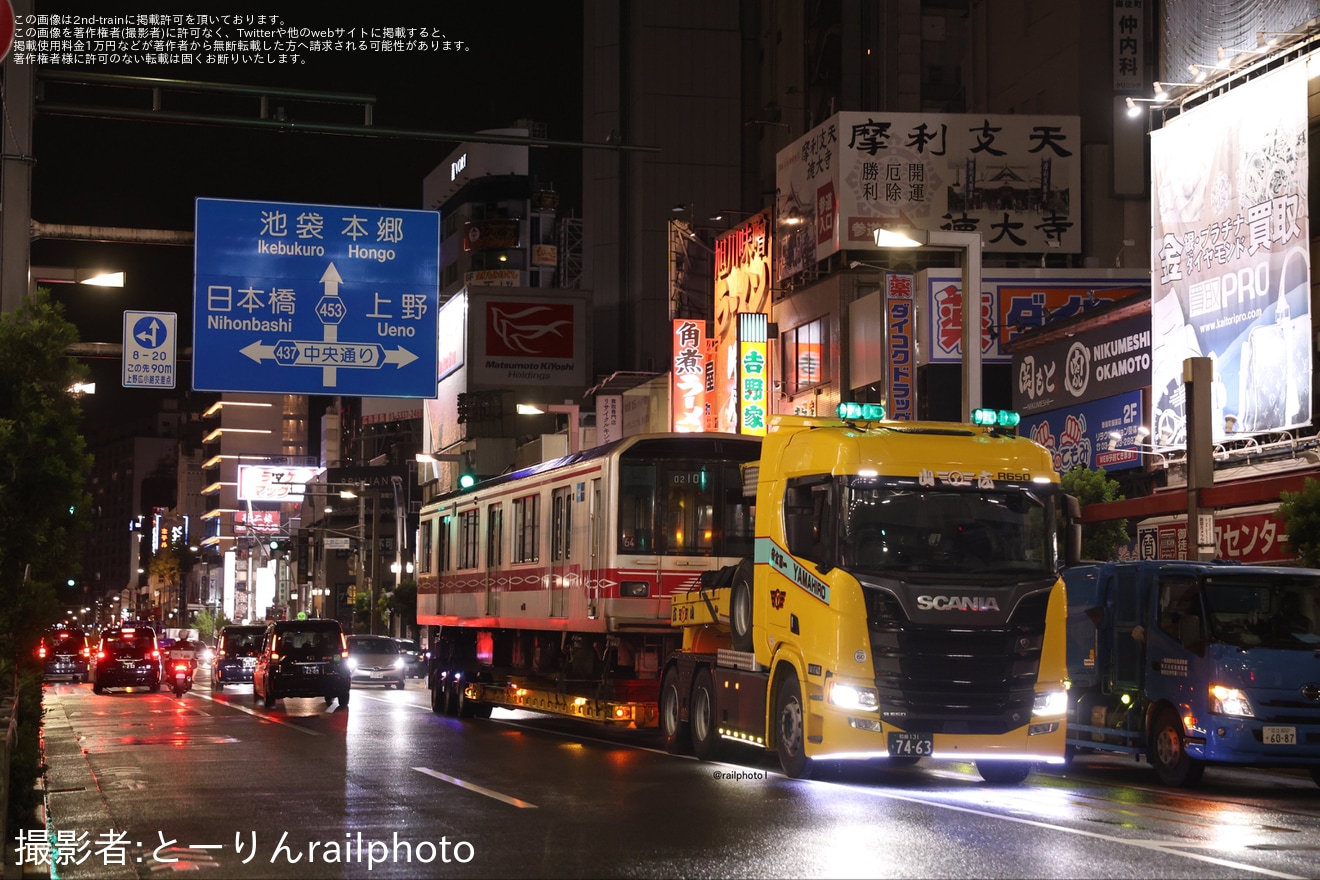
1190 663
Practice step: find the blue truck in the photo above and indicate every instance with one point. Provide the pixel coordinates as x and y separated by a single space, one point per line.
1195 663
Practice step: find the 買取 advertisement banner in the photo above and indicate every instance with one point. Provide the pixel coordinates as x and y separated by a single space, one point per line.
1231 261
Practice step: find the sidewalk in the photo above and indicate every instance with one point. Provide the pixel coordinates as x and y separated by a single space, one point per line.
73 802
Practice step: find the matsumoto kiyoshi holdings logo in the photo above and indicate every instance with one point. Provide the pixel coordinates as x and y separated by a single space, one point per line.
529 330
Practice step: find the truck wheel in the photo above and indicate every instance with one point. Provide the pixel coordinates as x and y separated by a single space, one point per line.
706 740
268 698
791 729
1167 752
1003 772
740 607
672 725
438 697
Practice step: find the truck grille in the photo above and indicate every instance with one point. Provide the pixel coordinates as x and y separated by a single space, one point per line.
956 679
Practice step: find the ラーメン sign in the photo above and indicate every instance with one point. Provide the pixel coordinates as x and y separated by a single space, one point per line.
274 483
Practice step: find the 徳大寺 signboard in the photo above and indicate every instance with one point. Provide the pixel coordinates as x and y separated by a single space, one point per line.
315 299
1014 179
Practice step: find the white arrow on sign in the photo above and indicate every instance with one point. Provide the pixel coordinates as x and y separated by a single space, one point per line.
151 336
314 353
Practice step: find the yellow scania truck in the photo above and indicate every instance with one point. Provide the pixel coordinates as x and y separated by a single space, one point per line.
903 601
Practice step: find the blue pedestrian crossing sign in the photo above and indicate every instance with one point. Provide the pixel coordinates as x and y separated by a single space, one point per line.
151 340
315 299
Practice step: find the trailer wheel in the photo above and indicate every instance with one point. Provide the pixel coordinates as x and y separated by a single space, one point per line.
1003 772
672 725
791 729
438 699
740 607
706 740
1168 752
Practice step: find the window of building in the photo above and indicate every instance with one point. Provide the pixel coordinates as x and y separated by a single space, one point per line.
806 364
469 539
526 528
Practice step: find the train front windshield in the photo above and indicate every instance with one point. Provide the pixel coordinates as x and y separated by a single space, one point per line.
893 529
683 508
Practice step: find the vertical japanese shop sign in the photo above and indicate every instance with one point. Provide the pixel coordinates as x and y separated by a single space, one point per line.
609 418
742 286
1128 41
689 376
901 393
753 374
1231 259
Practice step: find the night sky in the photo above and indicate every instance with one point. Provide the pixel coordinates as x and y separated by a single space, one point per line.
523 62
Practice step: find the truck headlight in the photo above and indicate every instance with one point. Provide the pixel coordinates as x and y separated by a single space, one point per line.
1049 703
1230 701
847 696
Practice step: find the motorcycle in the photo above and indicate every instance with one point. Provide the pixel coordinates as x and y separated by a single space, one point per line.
181 675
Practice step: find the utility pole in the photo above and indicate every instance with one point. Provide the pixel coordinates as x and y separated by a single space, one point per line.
1198 376
362 541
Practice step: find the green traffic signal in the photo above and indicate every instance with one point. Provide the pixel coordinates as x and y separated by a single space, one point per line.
467 481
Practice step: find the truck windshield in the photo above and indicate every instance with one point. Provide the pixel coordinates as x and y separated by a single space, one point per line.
892 528
1276 610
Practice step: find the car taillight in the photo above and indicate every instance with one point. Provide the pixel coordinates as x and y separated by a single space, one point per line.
220 653
86 652
100 655
274 656
41 652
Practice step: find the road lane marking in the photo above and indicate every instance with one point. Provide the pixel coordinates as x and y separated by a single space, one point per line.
443 777
256 714
1168 847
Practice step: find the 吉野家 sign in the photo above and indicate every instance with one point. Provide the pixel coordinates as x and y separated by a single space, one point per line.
150 343
315 299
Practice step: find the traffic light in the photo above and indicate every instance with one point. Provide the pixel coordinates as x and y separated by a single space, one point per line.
467 480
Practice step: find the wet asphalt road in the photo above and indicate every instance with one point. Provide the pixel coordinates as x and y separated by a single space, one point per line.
144 785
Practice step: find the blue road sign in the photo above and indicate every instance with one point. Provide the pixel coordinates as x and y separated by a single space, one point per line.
150 343
315 299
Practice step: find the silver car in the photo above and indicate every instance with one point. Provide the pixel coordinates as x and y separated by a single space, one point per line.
376 660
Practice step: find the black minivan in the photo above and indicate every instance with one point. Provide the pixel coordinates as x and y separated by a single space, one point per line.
302 658
236 655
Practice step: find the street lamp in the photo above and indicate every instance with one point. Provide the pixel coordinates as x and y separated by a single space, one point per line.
970 245
62 275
